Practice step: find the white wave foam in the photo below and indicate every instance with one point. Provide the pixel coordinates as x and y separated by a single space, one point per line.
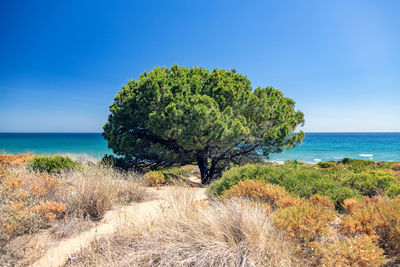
317 160
366 155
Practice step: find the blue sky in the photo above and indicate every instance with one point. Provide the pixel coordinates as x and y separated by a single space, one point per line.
62 62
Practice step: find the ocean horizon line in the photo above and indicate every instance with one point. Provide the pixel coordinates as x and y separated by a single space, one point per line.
102 132
317 146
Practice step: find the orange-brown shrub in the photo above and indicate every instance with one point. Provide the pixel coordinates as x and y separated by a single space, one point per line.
49 210
305 222
14 160
19 217
396 167
33 185
323 201
154 178
379 218
3 173
23 209
352 204
275 195
357 251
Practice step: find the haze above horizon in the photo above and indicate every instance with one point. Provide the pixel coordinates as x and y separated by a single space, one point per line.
61 64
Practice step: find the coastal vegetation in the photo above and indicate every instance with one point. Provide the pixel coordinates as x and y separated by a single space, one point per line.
48 192
52 164
177 116
345 213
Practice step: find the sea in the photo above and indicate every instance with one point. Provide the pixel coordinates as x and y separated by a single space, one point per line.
316 147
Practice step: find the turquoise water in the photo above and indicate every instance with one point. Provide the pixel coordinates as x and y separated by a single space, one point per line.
316 146
82 144
334 146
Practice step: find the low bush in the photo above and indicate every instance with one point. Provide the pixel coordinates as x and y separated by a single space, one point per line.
172 175
323 201
154 178
356 251
393 191
305 222
357 164
275 195
303 181
377 217
14 160
52 164
370 182
326 164
27 204
396 167
93 203
176 171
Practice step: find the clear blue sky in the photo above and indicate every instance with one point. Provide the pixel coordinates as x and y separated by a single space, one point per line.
62 62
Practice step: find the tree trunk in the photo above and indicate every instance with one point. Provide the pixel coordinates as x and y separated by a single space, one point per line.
211 171
202 162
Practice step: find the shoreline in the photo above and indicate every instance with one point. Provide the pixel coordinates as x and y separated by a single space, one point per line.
86 157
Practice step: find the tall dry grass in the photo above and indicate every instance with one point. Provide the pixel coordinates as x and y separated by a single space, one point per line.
95 188
193 232
67 202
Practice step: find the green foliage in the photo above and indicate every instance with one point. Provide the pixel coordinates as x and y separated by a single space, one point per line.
52 164
116 162
326 164
370 182
182 115
176 171
173 174
357 163
393 190
303 181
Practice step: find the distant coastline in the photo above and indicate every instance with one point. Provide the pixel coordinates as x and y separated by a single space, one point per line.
317 146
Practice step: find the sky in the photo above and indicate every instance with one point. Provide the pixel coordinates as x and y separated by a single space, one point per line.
62 62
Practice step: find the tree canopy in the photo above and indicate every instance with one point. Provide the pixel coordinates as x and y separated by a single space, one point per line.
182 115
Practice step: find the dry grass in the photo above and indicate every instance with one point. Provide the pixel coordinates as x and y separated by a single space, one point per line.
66 202
193 233
93 190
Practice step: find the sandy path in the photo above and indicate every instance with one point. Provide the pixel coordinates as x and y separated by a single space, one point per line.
139 212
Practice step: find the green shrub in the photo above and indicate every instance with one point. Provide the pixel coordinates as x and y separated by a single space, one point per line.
52 164
171 174
370 182
393 191
303 181
326 164
357 164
